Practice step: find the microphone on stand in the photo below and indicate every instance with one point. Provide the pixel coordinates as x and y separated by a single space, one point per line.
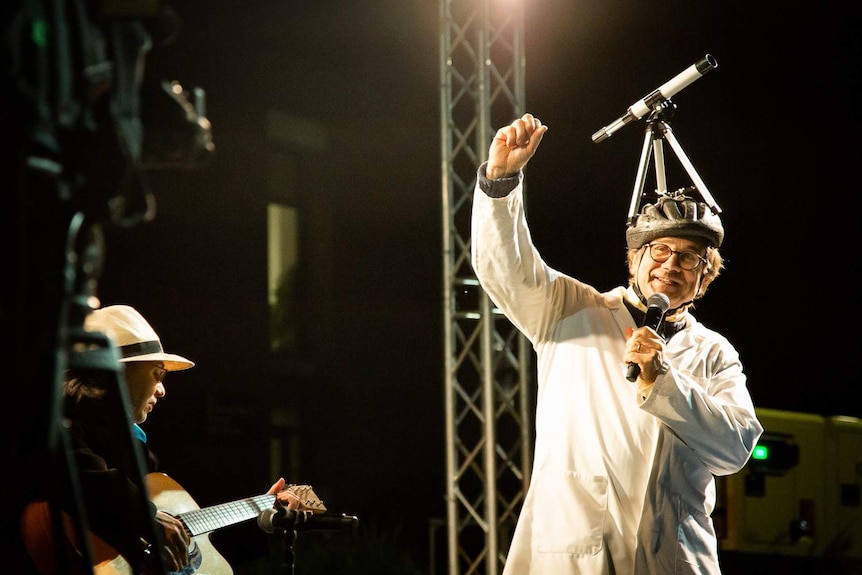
664 92
657 305
283 518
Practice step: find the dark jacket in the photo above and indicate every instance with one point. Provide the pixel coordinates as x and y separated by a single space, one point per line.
111 464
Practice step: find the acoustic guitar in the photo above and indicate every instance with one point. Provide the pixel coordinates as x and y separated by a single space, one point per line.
168 496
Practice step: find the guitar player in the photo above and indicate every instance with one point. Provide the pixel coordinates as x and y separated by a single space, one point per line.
117 510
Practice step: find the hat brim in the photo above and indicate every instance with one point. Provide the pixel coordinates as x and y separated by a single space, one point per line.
172 361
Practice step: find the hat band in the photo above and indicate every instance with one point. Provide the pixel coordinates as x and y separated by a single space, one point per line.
142 348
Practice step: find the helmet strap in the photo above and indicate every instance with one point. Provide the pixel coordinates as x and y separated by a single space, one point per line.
635 297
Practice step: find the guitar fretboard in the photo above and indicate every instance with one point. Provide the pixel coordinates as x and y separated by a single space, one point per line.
209 519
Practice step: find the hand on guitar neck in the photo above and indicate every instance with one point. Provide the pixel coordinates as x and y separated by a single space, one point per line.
296 497
171 499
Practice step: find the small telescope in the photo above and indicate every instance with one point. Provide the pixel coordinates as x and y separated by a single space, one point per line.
646 104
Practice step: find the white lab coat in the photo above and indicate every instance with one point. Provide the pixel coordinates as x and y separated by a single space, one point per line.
621 484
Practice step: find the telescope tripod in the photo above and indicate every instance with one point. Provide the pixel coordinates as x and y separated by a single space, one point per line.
659 129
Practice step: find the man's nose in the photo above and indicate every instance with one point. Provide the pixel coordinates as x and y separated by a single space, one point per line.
672 261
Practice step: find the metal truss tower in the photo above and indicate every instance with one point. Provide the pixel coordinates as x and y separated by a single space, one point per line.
488 370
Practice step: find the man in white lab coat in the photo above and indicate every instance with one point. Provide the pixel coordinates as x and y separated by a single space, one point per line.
633 421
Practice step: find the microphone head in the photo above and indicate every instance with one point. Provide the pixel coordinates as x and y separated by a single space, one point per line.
265 519
660 301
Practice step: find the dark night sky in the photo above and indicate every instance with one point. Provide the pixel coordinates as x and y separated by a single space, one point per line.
772 132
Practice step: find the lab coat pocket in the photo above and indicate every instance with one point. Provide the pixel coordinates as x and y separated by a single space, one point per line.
696 541
569 512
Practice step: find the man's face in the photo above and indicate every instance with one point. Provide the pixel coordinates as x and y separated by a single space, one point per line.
670 276
145 382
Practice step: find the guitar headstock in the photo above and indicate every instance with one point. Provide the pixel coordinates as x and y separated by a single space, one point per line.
304 497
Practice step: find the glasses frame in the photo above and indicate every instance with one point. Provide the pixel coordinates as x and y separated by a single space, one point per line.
160 369
700 258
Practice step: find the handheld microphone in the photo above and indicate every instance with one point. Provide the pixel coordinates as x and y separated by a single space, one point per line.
664 92
657 305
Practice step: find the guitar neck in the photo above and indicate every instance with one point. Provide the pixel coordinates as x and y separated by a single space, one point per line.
199 521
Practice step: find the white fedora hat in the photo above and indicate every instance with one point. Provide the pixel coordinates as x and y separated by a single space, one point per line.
135 339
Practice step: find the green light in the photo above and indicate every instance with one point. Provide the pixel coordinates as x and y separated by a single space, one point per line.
39 33
760 452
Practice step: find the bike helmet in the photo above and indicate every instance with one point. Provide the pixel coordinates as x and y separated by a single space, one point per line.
675 214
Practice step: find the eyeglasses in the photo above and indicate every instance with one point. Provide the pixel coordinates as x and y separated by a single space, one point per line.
159 373
687 260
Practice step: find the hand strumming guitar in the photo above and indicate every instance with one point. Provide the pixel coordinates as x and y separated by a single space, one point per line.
177 541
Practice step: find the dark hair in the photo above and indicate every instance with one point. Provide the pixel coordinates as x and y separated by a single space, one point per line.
85 383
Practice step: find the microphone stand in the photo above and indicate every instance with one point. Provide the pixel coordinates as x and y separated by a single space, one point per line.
289 522
285 521
658 129
288 561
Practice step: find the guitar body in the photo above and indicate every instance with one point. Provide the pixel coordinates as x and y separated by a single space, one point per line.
169 496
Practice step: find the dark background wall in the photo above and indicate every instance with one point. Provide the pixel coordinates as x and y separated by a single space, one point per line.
772 131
